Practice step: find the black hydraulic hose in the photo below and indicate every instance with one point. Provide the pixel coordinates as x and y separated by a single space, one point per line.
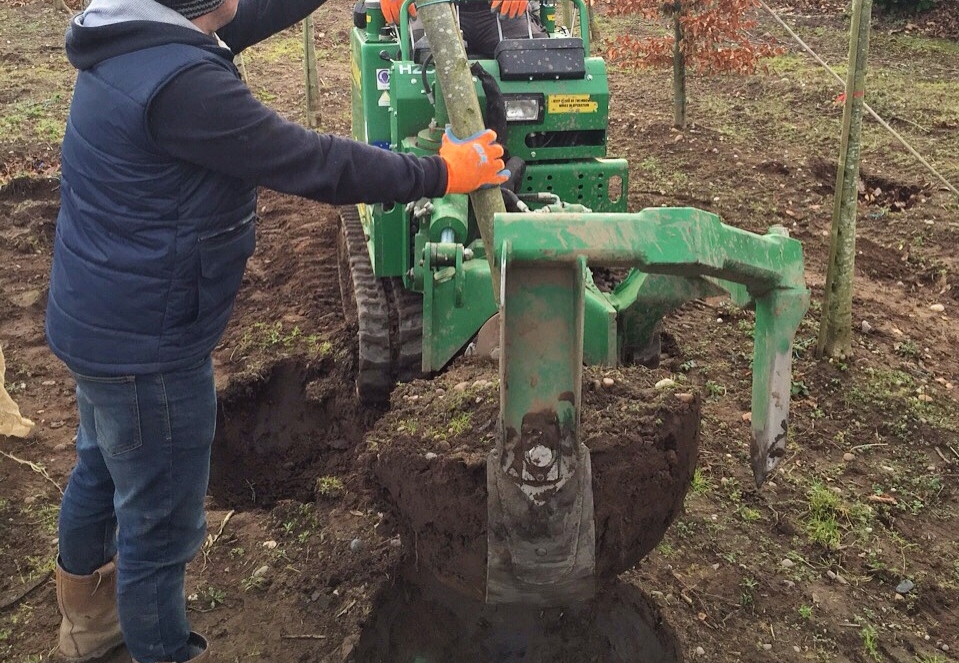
517 169
426 83
512 201
495 104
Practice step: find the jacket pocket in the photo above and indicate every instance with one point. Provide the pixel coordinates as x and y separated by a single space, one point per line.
223 257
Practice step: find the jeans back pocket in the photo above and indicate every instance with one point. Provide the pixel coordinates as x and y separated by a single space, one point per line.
112 406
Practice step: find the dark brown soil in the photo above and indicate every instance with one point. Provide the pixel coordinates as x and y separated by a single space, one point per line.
642 464
417 620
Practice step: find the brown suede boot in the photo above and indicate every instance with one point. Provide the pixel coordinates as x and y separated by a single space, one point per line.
201 650
90 627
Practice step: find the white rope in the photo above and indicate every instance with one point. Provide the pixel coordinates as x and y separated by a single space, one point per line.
866 106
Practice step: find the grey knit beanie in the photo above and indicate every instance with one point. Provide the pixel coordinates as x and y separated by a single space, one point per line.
192 8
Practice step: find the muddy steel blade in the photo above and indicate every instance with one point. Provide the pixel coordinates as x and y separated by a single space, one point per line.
540 554
770 425
778 314
541 535
541 532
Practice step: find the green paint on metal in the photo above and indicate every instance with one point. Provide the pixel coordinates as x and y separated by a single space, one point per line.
642 300
678 254
599 184
679 241
541 532
599 327
450 319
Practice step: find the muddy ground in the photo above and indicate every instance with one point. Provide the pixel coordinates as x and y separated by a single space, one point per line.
847 554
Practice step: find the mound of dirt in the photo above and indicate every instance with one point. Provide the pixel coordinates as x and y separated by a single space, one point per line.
431 450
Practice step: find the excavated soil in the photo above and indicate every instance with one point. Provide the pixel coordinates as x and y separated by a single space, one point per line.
643 447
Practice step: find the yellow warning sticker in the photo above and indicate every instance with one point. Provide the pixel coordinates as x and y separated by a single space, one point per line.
570 103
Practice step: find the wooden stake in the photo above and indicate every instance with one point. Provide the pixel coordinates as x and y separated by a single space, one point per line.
314 115
679 70
835 327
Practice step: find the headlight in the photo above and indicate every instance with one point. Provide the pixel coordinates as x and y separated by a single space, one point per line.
524 107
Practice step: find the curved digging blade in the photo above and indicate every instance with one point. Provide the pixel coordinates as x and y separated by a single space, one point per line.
541 539
541 535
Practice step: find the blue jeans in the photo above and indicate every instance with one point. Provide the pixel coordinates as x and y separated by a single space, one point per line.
137 491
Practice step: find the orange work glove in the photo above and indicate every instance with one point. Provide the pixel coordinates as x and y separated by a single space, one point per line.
472 163
510 8
391 10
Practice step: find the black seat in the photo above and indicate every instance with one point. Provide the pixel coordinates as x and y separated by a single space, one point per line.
541 59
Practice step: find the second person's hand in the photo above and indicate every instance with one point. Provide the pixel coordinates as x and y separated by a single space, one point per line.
510 8
391 10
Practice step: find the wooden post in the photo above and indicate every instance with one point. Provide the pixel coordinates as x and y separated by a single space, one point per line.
679 69
566 14
459 94
314 114
835 326
595 35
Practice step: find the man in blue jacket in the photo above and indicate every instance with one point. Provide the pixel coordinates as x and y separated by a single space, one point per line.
164 149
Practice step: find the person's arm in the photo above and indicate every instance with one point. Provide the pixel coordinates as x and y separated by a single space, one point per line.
208 117
258 19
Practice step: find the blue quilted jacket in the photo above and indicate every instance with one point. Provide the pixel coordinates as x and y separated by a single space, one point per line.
164 149
149 251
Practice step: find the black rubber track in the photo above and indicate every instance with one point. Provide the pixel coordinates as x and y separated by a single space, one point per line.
388 317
